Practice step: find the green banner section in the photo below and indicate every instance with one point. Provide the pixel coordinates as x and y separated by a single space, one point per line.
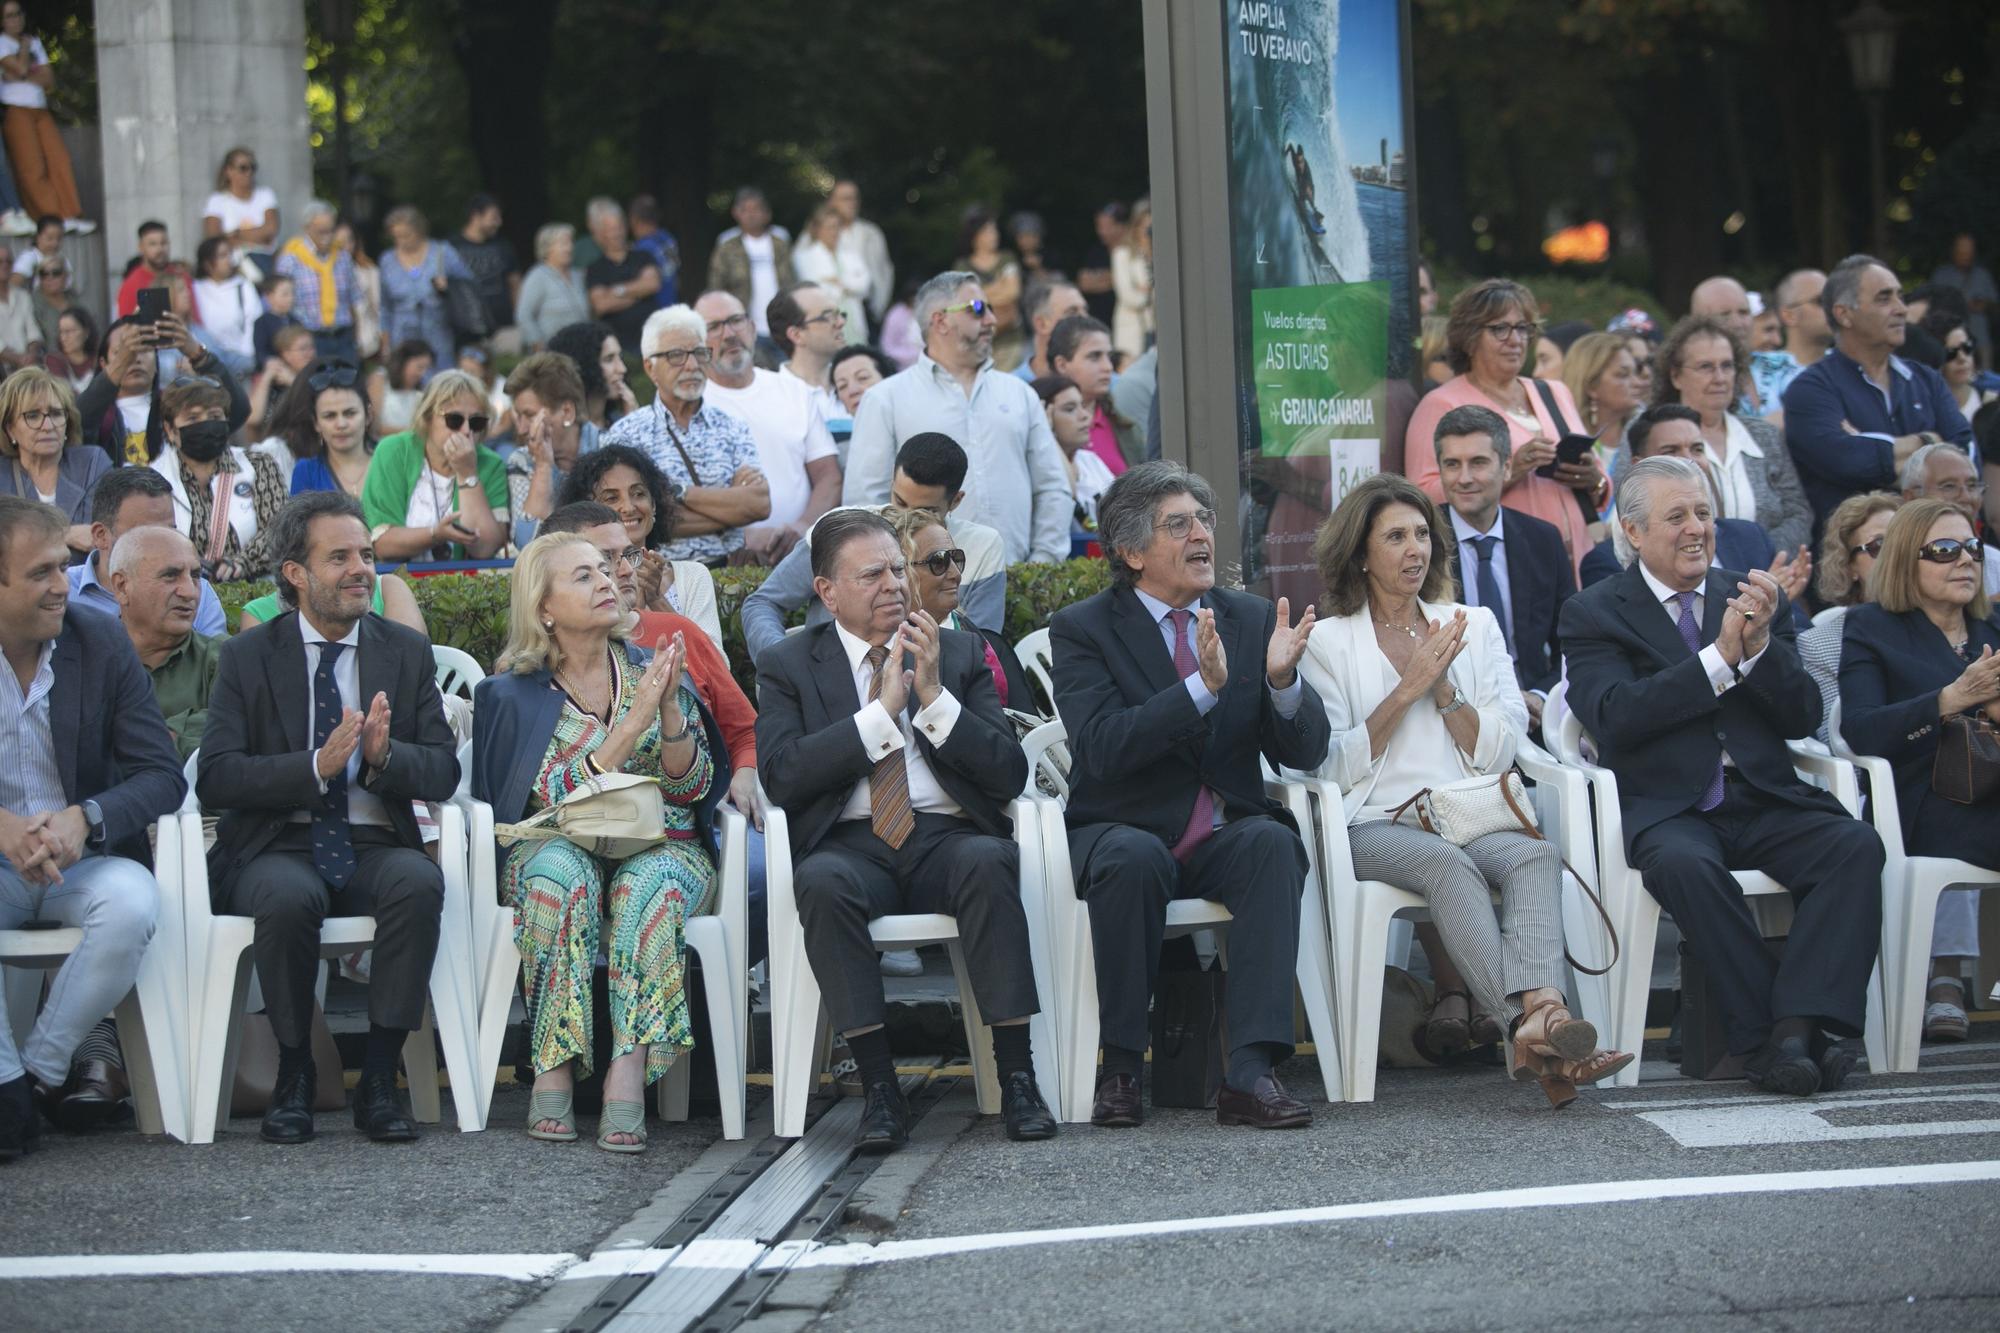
1317 357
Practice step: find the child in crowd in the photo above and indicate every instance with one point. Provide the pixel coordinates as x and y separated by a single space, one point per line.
278 297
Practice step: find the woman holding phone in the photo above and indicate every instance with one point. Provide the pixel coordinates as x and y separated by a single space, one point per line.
434 492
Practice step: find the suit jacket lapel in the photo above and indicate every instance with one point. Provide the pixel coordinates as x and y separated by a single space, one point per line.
66 706
1142 639
1715 595
286 670
1237 635
1650 617
831 678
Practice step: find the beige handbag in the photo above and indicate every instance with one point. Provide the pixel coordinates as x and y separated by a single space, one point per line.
613 815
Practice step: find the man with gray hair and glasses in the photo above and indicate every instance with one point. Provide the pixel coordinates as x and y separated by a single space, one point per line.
1945 472
1015 480
1854 417
1688 678
325 289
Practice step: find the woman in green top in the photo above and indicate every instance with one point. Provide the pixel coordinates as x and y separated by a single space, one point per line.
434 492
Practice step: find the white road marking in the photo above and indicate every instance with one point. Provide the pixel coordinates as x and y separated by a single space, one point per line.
1547 1196
237 1263
1743 1126
608 1264
1920 1091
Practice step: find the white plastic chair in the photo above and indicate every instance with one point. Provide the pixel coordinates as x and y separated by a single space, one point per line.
1365 914
457 670
1637 913
151 1017
219 969
1037 658
1910 890
720 937
1075 965
799 1031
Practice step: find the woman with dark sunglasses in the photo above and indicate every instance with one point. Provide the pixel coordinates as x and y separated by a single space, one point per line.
1928 650
1961 361
434 492
937 567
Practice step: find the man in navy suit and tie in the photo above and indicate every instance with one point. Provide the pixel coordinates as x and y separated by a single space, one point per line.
1689 680
1511 563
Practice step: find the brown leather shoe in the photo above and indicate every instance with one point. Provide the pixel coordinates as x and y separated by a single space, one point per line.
1266 1106
1118 1105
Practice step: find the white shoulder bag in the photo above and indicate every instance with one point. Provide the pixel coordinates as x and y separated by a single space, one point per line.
613 815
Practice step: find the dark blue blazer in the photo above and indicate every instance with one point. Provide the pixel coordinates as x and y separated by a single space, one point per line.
111 744
1658 723
1892 665
1539 581
1739 544
1834 464
513 719
1139 750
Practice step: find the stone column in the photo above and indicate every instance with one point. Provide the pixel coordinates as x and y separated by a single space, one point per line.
180 83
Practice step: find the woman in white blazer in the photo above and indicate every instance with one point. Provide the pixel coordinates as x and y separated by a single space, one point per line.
1420 693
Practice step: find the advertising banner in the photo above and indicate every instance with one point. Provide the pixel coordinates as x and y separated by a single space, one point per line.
1321 241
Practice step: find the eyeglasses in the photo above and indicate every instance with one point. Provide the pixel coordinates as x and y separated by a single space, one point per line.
731 324
1501 333
337 375
37 417
1870 548
48 272
937 561
242 166
1965 349
1178 526
1959 490
631 556
185 381
826 317
456 421
1947 550
679 356
979 309
1711 368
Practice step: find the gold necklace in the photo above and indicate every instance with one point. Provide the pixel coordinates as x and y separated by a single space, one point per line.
1410 630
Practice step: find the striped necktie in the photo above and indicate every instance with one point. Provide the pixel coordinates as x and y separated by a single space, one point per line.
889 812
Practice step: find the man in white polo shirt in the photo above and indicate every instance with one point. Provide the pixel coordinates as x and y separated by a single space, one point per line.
793 445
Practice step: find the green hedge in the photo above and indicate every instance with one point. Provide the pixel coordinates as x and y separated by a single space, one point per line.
469 611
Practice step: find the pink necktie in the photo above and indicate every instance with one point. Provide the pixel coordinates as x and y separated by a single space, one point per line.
1201 820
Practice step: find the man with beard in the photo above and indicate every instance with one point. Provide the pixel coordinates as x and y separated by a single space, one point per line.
794 449
85 766
323 726
1015 482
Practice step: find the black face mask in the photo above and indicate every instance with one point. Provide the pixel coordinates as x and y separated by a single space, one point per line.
204 441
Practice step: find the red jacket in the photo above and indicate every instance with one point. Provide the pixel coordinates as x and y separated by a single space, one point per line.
709 671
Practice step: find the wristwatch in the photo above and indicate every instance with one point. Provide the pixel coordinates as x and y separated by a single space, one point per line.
1457 702
93 818
468 483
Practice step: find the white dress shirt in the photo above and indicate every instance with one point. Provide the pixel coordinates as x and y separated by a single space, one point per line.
881 734
1287 699
1468 564
1721 676
363 807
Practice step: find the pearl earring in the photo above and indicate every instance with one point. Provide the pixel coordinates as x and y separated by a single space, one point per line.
548 624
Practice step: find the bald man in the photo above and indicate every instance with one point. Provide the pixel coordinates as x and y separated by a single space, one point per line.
1723 298
155 575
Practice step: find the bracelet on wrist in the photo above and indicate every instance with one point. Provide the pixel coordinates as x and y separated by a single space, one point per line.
687 725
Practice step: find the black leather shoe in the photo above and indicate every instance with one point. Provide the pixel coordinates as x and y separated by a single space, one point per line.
1117 1105
20 1125
1836 1060
1022 1109
1265 1106
885 1120
93 1096
379 1111
290 1117
1784 1066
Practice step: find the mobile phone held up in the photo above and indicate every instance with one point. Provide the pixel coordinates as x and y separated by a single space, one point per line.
1570 449
152 304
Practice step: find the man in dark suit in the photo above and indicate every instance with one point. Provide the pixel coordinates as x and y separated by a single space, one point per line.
323 726
896 779
1689 680
1170 687
85 766
1518 567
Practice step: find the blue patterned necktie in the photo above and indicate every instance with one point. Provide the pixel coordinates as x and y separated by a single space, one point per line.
1489 587
1691 636
333 843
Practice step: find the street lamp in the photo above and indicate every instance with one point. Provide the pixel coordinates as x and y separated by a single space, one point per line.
1871 53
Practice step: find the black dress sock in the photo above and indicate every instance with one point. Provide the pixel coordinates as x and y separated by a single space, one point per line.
1118 1060
1010 1050
384 1045
872 1054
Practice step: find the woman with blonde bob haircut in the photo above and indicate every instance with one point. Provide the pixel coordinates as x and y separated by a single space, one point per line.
434 491
1927 652
1420 692
1848 552
572 702
38 423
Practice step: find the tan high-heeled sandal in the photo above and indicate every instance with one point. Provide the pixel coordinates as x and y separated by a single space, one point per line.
1549 1031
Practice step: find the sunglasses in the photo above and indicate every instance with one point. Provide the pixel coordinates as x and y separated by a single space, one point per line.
456 421
336 375
1965 349
1872 547
187 381
979 309
1946 551
937 561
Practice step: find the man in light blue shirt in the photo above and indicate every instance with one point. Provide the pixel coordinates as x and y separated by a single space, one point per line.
1015 481
123 499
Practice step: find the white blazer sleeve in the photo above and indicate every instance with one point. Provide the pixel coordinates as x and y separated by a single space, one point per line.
1348 761
1493 692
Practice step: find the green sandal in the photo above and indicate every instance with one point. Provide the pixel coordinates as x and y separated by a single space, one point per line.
622 1118
557 1104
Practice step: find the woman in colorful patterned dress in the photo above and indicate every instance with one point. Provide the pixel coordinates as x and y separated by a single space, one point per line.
570 700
